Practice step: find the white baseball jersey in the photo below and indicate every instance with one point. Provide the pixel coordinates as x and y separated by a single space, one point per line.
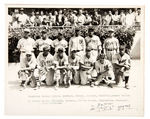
77 43
102 67
62 43
93 43
74 62
124 60
63 61
44 61
41 43
26 44
111 44
87 61
29 64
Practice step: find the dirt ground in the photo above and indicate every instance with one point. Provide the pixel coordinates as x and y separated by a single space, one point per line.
33 100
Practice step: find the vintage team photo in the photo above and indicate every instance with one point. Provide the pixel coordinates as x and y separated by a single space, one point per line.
63 47
60 56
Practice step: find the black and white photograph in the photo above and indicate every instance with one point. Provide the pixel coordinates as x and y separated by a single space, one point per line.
74 60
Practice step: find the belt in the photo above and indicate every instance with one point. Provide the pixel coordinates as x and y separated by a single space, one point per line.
94 49
110 49
78 50
25 51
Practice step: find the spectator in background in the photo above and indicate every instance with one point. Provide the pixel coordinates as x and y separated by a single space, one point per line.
122 18
115 18
53 18
23 18
44 22
88 19
37 20
81 18
104 18
138 17
16 13
49 19
74 18
32 18
10 18
15 23
109 18
66 21
96 19
130 18
59 18
42 16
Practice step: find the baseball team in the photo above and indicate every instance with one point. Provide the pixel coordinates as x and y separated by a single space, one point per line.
88 61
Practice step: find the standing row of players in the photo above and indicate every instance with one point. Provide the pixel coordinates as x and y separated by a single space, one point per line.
88 61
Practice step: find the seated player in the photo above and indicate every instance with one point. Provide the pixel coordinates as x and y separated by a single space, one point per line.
104 71
45 62
74 67
121 63
26 73
61 67
86 66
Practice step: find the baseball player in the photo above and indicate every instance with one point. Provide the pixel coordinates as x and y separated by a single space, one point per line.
44 63
61 67
111 45
77 43
60 42
94 43
74 67
86 66
121 63
44 40
104 71
26 73
25 44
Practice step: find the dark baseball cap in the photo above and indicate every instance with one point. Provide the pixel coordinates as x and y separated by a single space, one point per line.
60 50
77 29
43 31
91 29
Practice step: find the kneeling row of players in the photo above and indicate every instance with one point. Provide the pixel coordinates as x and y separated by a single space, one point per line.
63 70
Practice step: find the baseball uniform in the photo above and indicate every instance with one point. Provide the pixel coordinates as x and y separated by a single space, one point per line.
60 43
61 62
40 43
43 64
25 45
87 62
121 72
94 44
75 71
111 47
77 44
103 67
27 70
